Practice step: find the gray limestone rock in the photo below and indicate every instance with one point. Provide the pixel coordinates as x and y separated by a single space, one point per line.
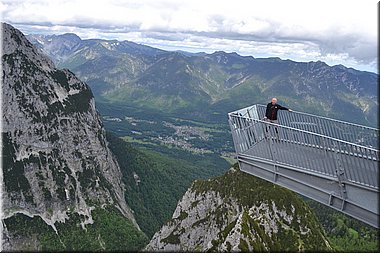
56 158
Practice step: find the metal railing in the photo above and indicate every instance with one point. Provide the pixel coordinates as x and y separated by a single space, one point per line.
345 131
328 147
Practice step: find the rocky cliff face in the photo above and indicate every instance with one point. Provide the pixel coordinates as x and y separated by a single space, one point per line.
56 163
238 212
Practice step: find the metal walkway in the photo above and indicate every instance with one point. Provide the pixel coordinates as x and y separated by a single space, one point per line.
331 161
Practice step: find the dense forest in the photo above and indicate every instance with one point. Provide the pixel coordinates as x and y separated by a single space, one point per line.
163 179
344 232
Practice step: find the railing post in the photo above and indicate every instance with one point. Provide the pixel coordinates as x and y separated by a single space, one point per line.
340 173
321 126
234 134
272 150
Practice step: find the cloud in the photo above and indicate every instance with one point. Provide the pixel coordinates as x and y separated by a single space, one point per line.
342 32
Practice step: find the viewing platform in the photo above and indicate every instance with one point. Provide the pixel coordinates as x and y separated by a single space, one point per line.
331 161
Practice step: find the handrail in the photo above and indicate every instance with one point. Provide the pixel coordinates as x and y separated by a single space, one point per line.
347 131
304 131
331 119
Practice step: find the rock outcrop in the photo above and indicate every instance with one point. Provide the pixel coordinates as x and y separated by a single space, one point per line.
238 212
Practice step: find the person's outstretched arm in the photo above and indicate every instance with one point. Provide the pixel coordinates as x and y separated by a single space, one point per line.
284 108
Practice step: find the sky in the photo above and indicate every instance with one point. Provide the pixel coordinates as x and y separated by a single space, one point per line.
333 31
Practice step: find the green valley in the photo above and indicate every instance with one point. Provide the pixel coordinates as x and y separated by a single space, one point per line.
167 132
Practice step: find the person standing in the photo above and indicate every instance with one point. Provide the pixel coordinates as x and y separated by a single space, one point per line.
271 113
272 109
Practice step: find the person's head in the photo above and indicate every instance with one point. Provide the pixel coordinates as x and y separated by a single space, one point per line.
274 101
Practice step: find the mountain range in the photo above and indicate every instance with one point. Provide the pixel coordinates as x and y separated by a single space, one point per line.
207 86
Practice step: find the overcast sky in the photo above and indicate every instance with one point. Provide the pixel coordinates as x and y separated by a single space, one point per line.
334 31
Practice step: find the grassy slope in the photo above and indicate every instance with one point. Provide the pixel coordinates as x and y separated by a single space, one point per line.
110 231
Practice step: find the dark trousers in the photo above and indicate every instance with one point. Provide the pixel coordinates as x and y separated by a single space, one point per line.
267 128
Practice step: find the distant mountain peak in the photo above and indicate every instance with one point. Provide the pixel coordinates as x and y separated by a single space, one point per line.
226 53
190 53
71 36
